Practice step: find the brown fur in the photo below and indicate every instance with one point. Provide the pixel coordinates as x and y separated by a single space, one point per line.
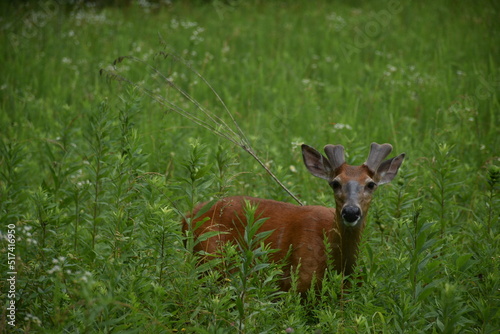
299 228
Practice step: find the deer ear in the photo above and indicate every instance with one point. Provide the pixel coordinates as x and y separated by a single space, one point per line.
389 168
316 163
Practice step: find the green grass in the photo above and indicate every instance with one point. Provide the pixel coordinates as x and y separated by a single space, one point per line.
95 176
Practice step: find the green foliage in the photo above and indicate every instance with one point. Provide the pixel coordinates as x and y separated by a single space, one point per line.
96 178
253 277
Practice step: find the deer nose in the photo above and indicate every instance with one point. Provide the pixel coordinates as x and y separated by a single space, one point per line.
351 214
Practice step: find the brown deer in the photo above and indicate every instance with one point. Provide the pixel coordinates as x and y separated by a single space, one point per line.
299 231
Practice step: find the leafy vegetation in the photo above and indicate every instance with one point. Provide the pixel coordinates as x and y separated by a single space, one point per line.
95 176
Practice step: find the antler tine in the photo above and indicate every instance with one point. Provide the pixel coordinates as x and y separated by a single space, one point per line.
377 154
335 154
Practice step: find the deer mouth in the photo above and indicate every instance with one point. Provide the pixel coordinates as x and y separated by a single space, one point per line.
351 224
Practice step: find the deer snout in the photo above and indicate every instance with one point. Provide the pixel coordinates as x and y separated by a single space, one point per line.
351 214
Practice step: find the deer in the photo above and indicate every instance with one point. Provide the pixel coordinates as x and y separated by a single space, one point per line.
299 232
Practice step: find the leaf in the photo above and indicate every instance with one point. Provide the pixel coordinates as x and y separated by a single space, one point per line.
428 244
239 306
260 266
462 262
208 235
422 292
207 206
263 235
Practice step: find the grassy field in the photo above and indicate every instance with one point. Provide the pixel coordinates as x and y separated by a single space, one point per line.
95 175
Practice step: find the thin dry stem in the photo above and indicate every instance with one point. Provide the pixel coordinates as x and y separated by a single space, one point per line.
214 124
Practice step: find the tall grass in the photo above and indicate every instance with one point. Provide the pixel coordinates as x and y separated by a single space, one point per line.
96 177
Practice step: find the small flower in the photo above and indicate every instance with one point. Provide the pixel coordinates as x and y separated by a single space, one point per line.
35 319
289 330
85 277
338 21
174 24
32 241
54 269
297 142
392 68
340 126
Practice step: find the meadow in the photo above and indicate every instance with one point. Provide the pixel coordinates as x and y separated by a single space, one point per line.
96 175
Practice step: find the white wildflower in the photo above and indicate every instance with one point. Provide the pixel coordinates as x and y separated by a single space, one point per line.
338 21
174 24
391 68
32 241
33 318
54 269
86 276
340 126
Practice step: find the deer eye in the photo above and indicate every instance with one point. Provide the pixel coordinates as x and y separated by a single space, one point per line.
371 185
335 185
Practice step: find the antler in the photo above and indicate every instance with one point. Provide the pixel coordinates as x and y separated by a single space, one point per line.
335 154
377 154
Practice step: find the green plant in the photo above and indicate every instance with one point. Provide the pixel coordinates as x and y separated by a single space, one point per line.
446 184
253 258
98 166
493 179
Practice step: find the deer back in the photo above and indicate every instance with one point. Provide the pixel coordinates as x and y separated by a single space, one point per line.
297 230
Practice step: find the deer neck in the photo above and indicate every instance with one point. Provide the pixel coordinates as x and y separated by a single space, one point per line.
349 244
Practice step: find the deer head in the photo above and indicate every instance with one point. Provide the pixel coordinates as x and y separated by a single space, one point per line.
353 186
